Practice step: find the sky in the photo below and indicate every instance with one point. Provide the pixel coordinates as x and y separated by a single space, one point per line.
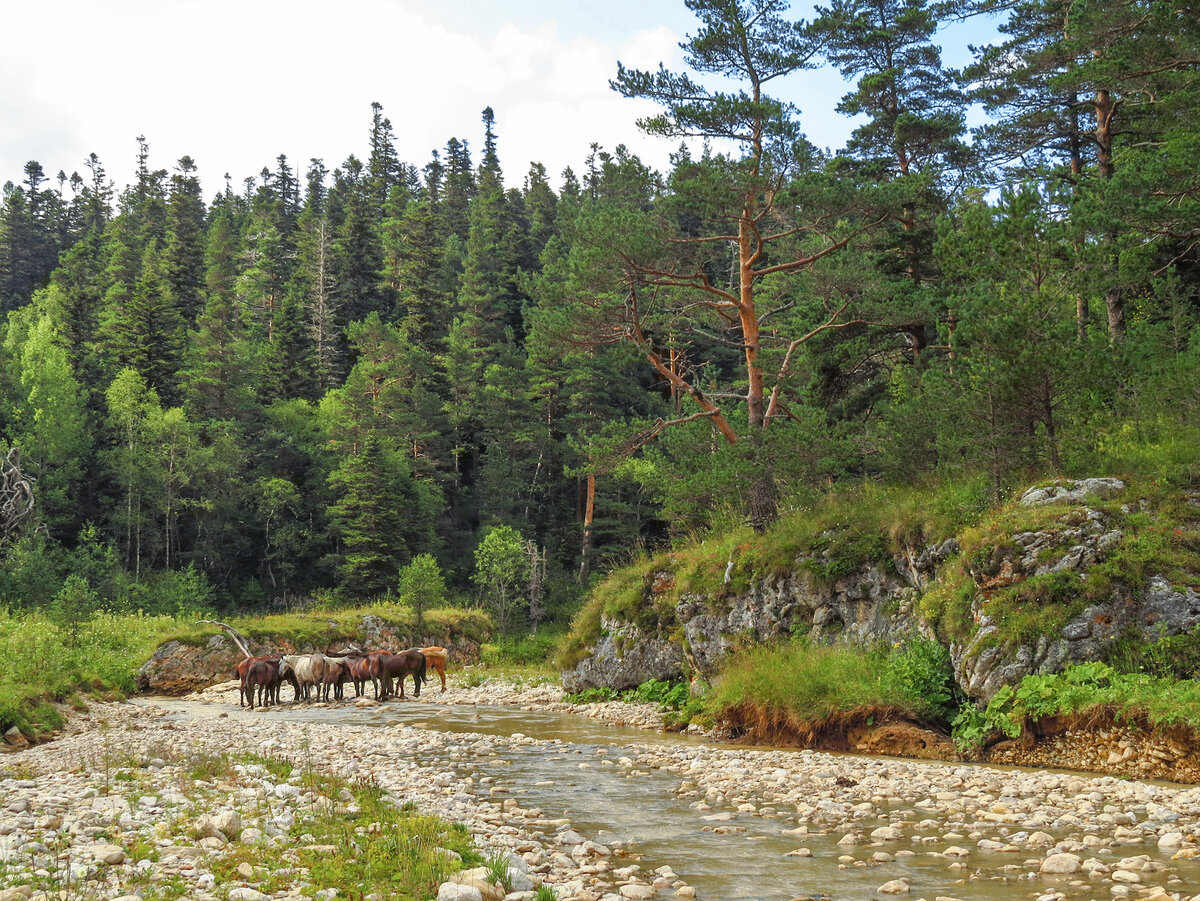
235 83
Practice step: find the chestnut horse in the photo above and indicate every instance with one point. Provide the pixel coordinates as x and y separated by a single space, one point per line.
436 658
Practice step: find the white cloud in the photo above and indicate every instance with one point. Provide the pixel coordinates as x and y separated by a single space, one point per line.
234 84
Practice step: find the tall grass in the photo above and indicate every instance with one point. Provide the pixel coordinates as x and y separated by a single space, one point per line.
46 662
800 685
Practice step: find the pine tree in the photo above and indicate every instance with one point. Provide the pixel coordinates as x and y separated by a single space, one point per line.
142 328
185 241
356 251
29 241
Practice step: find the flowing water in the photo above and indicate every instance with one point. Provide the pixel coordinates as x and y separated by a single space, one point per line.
578 777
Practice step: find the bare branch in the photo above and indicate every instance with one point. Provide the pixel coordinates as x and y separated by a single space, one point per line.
232 634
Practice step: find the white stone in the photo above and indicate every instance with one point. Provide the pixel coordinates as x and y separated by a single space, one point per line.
887 834
894 887
110 854
453 891
637 892
242 893
1061 864
228 823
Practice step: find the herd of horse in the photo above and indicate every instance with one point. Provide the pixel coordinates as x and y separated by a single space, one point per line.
263 676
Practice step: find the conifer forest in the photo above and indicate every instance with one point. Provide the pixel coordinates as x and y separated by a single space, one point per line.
338 376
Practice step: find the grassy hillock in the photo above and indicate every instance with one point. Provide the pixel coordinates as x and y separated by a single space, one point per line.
829 536
803 688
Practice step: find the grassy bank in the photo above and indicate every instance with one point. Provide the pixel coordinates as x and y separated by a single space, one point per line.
52 660
805 691
48 661
800 693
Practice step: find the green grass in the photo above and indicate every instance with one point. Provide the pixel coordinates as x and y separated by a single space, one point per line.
382 847
48 663
800 685
1091 690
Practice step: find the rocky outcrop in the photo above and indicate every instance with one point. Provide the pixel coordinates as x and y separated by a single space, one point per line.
1079 539
874 603
1071 492
177 668
982 667
624 657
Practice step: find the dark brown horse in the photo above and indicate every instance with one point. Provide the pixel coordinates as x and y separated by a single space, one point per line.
364 669
406 663
242 670
264 676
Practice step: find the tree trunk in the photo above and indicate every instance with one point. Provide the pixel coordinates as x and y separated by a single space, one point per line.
762 494
589 511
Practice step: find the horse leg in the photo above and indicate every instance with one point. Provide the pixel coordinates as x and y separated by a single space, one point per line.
442 672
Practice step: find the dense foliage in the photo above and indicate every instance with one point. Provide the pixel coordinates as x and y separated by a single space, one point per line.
325 380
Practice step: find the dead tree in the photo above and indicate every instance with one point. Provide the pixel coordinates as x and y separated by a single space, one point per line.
16 496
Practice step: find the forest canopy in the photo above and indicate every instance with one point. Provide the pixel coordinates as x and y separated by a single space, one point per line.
436 377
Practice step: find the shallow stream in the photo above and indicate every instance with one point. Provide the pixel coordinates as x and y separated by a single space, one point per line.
580 777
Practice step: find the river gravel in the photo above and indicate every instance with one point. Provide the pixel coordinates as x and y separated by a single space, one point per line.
87 809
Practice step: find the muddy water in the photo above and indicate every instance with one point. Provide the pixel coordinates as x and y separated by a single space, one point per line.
575 771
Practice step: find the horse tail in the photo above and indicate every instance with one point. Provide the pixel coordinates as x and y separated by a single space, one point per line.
421 671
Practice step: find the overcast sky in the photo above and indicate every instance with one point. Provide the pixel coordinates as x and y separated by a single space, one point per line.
235 83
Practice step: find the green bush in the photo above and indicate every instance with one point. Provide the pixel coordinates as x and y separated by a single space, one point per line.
1088 687
521 650
922 667
669 695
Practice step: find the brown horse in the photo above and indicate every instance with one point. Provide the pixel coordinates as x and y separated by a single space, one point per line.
364 669
436 658
243 668
406 663
263 675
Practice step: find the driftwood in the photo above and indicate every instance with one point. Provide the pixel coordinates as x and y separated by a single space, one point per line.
16 495
232 634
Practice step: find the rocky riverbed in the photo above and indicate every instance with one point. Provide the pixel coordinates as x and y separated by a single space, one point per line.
114 809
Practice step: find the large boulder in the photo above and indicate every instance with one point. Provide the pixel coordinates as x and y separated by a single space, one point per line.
625 656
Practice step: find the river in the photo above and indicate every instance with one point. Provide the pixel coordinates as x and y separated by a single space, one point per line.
724 817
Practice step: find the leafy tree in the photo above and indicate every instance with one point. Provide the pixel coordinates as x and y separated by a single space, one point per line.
501 569
131 404
49 420
421 585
